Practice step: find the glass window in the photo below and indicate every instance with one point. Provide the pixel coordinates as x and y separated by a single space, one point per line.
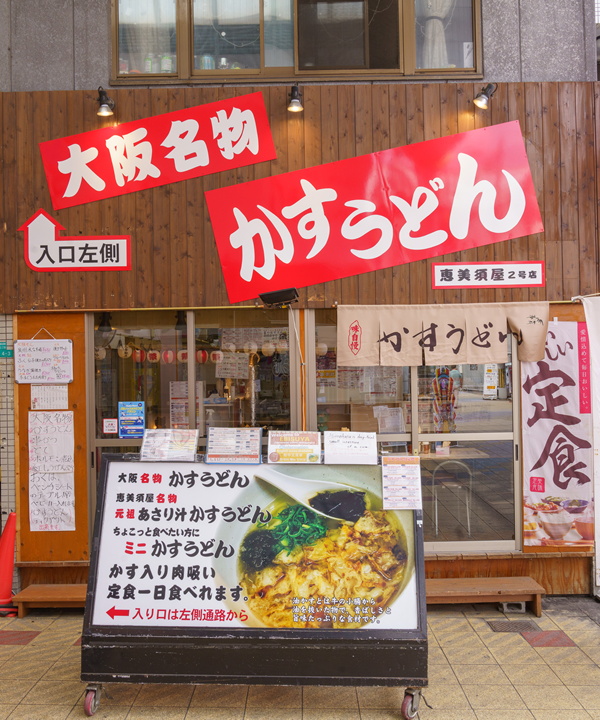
348 34
227 34
468 493
362 399
141 356
279 33
465 398
147 37
243 368
444 34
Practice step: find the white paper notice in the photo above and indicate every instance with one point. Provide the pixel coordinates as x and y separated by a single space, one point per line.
401 477
49 397
51 442
234 445
390 420
51 502
350 448
169 445
44 361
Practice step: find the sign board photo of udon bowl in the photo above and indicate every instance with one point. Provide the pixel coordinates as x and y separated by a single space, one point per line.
253 575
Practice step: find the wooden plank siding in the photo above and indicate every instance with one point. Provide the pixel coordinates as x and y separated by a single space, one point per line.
175 261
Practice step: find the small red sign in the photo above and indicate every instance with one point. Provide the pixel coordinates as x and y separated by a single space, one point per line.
583 342
374 211
158 150
537 484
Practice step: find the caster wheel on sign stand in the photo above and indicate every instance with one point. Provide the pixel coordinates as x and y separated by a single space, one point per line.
92 702
409 708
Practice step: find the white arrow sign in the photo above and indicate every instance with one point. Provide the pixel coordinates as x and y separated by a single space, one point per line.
46 251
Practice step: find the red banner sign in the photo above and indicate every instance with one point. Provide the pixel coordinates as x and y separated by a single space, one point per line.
157 151
375 211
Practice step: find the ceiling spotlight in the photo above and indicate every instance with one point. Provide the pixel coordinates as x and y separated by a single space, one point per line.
181 325
107 105
105 324
483 98
295 104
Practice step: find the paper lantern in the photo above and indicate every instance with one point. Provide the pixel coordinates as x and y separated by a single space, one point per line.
153 356
168 356
124 351
230 347
182 356
99 353
216 356
282 345
250 347
139 355
321 349
201 356
268 349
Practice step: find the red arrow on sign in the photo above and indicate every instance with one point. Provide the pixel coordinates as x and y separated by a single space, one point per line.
46 251
113 611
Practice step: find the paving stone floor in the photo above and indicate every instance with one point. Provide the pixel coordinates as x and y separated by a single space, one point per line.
474 673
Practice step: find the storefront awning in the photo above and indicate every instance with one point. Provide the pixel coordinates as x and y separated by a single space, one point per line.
398 335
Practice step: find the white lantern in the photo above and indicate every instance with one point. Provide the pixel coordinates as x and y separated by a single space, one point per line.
99 353
230 347
268 349
250 347
182 356
216 356
321 349
282 345
124 351
153 356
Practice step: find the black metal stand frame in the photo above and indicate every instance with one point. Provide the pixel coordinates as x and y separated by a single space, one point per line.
248 655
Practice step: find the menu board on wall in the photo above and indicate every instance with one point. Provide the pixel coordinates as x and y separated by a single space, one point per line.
51 471
44 362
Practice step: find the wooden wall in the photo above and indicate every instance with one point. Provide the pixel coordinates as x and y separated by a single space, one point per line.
175 262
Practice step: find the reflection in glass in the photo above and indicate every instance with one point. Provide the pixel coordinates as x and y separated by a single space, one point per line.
226 34
243 368
465 398
147 37
468 491
348 34
279 33
444 34
363 399
140 356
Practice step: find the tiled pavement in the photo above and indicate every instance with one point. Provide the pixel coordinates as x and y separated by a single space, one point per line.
474 673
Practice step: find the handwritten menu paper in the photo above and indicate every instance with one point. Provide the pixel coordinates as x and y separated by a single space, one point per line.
51 471
234 445
350 448
294 446
401 477
168 444
51 442
51 502
44 362
49 397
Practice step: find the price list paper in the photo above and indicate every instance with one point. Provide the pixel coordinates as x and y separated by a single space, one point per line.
234 445
350 448
401 478
44 362
291 446
51 471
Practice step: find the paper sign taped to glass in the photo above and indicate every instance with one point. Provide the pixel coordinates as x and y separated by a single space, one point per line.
194 545
399 335
374 211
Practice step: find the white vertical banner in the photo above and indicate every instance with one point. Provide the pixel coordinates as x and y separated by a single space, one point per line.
592 316
557 441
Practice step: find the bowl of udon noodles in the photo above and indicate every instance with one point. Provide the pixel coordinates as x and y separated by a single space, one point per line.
298 569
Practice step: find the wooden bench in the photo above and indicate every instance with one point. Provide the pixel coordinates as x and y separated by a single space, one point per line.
485 590
53 596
